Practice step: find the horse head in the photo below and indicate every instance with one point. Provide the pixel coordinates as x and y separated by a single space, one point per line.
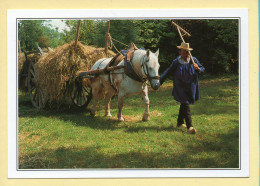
150 67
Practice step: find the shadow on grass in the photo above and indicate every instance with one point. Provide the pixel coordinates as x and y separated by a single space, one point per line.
83 117
203 154
153 128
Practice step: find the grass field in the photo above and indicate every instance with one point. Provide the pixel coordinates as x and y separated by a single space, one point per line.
68 138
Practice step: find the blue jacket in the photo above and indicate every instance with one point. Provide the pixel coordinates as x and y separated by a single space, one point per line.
185 80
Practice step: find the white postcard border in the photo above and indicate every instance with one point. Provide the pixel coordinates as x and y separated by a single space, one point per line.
13 15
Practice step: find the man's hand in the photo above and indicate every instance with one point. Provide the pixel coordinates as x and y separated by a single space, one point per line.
195 65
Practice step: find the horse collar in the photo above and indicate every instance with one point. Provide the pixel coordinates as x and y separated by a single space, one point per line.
130 72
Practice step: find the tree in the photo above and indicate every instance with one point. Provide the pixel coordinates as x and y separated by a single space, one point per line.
154 34
33 32
86 34
215 43
226 44
29 32
121 30
52 37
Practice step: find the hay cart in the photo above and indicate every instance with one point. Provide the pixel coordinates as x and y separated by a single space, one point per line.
80 96
24 60
54 77
65 73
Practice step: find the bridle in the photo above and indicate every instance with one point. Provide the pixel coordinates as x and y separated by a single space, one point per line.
146 72
135 74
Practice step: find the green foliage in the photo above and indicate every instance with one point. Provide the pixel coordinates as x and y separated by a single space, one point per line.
150 32
29 32
157 34
99 38
121 30
86 34
215 41
33 32
226 44
92 32
53 36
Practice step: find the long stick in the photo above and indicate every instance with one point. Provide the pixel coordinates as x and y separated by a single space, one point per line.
180 34
107 37
77 36
178 28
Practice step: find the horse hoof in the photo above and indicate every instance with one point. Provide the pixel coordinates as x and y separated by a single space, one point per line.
146 117
121 119
108 115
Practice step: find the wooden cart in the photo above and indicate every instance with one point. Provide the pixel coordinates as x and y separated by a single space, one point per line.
80 93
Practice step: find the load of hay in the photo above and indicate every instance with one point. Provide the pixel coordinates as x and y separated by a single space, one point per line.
56 71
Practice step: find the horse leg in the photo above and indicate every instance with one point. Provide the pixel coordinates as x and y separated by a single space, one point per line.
94 107
120 107
96 92
146 103
107 104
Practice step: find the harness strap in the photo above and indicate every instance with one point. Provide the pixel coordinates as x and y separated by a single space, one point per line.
145 69
112 82
110 76
130 72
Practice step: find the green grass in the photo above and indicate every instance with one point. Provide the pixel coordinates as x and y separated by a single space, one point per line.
67 138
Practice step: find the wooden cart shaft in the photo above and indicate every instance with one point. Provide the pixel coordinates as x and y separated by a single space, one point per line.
86 74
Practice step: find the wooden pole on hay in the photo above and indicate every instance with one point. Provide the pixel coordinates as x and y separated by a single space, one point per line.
180 30
107 37
77 35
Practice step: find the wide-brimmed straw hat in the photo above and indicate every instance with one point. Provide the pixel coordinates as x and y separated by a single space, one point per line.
185 46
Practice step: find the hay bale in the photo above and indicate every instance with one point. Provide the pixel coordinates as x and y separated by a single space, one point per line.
56 71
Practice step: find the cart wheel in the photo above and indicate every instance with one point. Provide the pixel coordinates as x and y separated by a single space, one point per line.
81 96
36 94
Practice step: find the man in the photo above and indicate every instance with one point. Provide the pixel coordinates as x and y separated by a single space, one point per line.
185 84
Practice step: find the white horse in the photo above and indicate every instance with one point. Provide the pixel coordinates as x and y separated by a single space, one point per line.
146 66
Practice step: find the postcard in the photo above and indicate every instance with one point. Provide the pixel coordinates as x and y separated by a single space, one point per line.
159 93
